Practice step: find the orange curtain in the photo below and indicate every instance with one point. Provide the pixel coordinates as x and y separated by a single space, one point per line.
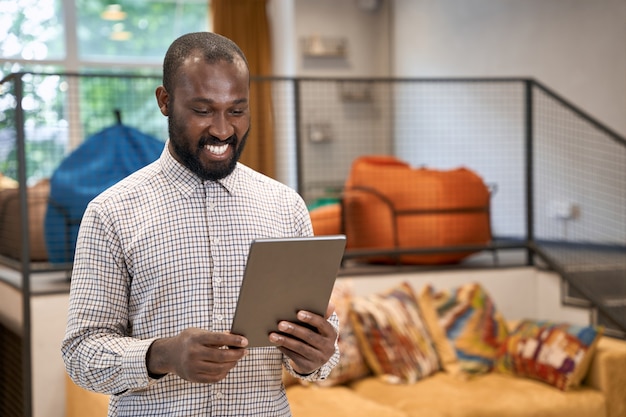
245 22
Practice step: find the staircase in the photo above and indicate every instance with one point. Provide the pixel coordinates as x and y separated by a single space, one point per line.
593 277
608 287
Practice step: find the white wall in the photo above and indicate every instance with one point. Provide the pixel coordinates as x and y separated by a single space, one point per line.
576 47
366 32
48 319
282 26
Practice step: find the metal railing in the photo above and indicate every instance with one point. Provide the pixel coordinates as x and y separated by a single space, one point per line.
559 172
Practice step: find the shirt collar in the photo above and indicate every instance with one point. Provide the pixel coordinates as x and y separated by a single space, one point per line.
186 181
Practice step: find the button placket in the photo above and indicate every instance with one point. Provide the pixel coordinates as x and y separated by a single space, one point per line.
215 239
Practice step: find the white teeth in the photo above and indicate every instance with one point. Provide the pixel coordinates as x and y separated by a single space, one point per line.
217 149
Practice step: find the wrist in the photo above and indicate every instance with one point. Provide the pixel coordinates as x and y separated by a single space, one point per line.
299 371
157 362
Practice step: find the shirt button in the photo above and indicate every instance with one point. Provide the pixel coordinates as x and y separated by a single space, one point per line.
218 280
219 317
219 395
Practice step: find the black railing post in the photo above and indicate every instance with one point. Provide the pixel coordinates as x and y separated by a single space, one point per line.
298 135
25 250
529 138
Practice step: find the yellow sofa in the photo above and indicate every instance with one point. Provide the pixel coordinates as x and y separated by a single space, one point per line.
353 389
602 394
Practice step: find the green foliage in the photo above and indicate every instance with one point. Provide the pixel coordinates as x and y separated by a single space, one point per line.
31 29
132 95
34 32
152 25
42 158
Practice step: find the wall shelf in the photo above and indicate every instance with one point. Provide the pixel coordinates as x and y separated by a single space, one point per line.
316 46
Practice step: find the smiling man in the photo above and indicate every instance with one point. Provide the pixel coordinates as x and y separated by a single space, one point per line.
209 122
160 258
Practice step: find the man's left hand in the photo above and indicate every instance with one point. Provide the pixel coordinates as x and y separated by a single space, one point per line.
307 349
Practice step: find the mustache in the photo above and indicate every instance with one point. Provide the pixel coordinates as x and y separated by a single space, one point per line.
212 140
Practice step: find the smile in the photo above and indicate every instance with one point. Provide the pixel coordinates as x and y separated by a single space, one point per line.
217 149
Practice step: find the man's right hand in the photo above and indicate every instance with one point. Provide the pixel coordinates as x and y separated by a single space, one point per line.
196 355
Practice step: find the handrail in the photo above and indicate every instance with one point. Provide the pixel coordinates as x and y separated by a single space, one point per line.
582 114
566 103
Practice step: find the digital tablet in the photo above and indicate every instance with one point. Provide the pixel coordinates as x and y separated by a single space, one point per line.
282 277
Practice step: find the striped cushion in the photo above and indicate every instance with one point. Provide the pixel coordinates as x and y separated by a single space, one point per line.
393 336
467 327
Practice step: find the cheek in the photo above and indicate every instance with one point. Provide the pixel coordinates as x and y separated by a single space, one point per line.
193 127
241 127
196 130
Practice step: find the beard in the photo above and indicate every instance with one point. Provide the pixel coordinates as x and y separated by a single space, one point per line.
189 156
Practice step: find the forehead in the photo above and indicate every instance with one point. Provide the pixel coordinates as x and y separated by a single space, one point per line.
198 76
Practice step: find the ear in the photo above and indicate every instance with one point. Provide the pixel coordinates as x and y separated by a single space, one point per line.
163 99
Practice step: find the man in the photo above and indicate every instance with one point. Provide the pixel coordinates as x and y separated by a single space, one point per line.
160 258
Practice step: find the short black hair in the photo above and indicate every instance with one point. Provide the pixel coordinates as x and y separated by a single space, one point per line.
214 47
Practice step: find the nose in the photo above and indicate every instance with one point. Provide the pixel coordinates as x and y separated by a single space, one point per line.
221 128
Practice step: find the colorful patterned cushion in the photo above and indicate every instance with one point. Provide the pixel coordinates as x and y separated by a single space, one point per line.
556 353
393 336
351 364
467 328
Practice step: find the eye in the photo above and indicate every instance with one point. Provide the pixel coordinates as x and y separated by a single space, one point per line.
201 111
238 112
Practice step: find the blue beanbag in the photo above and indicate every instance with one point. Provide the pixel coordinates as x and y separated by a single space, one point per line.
101 161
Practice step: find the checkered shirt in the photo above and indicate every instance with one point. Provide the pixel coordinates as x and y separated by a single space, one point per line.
162 251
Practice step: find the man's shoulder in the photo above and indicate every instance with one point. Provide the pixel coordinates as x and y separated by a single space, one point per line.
256 178
136 182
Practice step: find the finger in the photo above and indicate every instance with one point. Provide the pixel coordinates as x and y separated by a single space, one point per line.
208 356
301 363
207 371
304 359
297 338
323 327
299 351
212 339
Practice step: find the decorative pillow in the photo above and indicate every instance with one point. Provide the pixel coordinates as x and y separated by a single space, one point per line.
352 363
467 328
393 336
556 353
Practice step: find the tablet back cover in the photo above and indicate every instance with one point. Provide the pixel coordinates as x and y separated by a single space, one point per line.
283 276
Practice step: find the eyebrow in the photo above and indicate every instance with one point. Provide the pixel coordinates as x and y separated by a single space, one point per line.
211 101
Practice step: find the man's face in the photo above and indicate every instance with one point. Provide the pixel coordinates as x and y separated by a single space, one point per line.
209 118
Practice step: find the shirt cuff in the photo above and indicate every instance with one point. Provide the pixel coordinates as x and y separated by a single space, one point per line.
134 368
317 375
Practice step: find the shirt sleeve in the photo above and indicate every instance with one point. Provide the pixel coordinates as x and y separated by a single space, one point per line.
301 219
96 349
